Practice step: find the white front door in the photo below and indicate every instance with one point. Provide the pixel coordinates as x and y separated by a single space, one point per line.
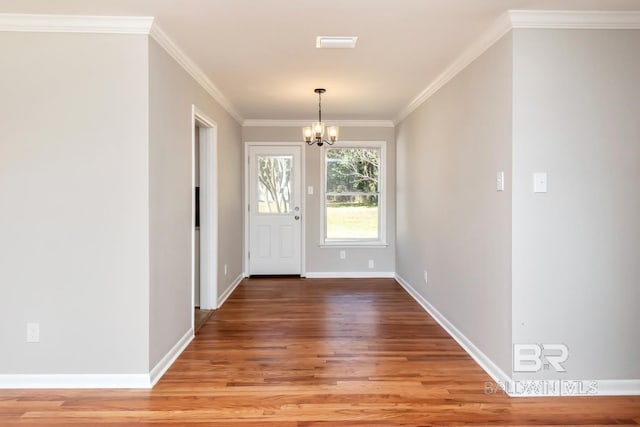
275 215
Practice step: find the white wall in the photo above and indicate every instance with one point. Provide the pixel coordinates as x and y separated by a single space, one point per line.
575 248
172 94
74 205
451 220
323 259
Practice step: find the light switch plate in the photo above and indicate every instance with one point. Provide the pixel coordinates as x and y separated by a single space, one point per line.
500 181
310 190
540 182
33 332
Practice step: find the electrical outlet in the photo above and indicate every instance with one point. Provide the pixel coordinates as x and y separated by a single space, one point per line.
33 332
371 264
343 254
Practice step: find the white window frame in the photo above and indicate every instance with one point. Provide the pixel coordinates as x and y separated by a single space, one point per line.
381 241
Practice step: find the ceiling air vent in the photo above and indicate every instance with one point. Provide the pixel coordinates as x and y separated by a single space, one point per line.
333 42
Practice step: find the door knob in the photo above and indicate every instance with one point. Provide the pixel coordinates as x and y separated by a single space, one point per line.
297 217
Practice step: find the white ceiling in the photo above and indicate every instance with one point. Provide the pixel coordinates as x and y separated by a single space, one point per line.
261 53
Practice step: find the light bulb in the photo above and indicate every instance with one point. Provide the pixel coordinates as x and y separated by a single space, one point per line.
307 133
318 129
333 133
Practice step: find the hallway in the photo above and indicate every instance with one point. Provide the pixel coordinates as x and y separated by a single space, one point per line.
308 352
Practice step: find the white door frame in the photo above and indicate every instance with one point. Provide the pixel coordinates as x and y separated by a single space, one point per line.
303 199
208 210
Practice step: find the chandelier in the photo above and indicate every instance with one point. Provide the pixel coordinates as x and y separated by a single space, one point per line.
314 134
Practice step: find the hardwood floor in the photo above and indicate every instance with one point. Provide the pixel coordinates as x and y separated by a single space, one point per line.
200 318
304 353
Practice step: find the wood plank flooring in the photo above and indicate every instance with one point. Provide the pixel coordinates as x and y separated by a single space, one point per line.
200 317
305 353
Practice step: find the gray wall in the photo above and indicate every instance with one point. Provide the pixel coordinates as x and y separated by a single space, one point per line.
323 259
451 220
95 179
519 267
74 205
172 94
575 248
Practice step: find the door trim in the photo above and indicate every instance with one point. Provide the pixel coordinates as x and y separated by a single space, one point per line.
303 201
208 210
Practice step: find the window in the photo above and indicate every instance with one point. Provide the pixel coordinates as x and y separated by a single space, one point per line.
353 201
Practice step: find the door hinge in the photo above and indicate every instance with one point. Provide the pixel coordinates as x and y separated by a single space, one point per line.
248 255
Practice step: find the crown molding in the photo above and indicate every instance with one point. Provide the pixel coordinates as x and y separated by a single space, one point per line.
75 24
520 19
301 123
190 67
470 54
116 25
570 19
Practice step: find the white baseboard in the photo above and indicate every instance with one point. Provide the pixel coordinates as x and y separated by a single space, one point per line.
165 363
618 387
350 275
497 374
222 298
524 388
25 381
22 381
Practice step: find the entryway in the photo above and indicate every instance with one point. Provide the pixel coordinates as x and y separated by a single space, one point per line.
275 210
205 218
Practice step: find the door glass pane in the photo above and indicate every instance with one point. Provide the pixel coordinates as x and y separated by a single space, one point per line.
274 184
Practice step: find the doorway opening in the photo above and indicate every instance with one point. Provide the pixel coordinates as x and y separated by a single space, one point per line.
204 205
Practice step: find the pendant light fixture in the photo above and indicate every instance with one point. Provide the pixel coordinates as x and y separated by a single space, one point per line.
314 134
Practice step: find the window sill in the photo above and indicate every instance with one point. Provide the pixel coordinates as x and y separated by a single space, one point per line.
361 245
